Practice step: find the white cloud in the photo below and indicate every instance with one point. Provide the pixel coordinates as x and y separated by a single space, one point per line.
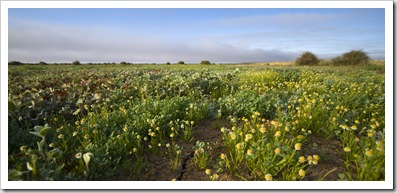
33 42
281 19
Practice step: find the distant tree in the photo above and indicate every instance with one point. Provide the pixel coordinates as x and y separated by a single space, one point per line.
181 62
15 63
76 62
307 58
123 63
168 63
354 57
42 63
206 62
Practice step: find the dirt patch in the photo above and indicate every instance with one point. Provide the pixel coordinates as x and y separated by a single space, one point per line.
158 164
330 164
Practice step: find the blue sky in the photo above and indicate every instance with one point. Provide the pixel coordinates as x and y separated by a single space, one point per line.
170 35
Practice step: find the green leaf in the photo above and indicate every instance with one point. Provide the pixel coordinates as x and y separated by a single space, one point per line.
14 174
11 106
55 153
44 131
29 166
41 144
38 128
36 133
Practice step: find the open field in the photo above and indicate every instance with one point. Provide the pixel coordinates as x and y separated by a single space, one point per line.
196 122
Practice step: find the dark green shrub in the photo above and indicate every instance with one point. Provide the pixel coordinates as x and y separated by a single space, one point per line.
206 62
325 62
76 62
15 63
181 62
307 58
354 57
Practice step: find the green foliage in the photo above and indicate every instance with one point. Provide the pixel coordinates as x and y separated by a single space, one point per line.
76 62
354 57
205 62
307 58
181 62
61 117
15 63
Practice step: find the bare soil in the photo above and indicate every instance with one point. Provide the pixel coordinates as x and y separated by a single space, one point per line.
329 166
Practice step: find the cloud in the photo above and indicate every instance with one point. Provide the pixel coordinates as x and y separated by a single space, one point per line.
34 41
281 19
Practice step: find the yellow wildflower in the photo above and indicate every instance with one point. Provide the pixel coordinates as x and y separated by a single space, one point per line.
268 177
249 152
302 159
277 151
368 152
298 146
302 172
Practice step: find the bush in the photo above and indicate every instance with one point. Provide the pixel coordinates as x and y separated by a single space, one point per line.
15 63
181 62
354 57
76 62
325 62
307 58
205 62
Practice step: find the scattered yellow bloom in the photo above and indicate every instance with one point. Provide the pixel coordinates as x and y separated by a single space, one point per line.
208 171
248 137
298 146
316 157
277 134
302 159
249 152
268 177
302 172
238 146
346 149
368 152
232 135
277 151
263 129
223 156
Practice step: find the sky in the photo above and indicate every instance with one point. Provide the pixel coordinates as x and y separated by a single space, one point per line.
220 35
